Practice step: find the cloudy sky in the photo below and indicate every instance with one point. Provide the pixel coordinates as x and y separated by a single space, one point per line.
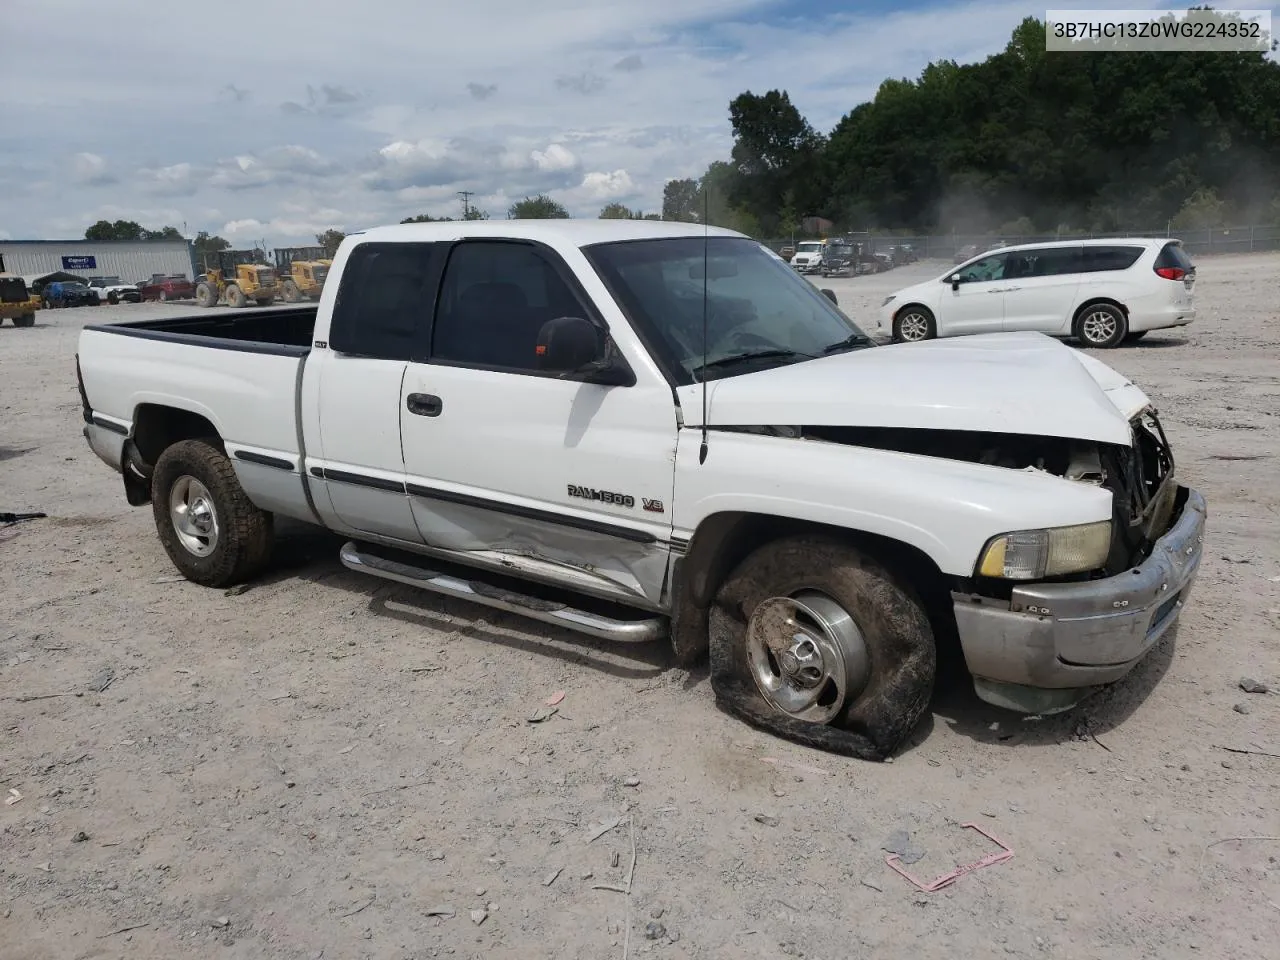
283 117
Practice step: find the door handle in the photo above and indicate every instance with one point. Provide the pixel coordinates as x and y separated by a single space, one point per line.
424 404
1011 289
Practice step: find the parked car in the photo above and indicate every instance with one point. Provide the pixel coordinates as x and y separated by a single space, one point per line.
1102 292
840 506
808 256
837 260
69 293
966 253
113 290
787 252
161 287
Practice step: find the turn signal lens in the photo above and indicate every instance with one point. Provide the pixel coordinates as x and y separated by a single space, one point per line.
1036 554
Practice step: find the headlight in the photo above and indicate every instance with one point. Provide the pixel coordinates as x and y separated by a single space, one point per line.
1036 554
886 301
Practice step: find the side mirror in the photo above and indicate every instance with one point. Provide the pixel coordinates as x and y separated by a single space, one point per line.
954 280
567 344
830 295
574 345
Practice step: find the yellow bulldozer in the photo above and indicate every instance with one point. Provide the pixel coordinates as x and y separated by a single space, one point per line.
303 271
17 303
234 277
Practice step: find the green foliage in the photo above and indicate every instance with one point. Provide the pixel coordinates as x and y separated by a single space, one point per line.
424 218
208 243
1026 138
1202 210
540 207
473 213
619 211
330 240
682 201
129 230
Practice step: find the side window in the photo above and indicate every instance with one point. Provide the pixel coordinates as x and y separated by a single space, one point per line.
1047 262
494 299
988 268
384 300
1102 259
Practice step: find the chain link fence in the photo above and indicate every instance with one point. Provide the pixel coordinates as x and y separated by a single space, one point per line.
1248 239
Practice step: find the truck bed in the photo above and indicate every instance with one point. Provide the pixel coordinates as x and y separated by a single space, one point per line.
255 330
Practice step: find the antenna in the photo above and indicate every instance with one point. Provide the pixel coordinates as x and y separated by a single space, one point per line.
702 451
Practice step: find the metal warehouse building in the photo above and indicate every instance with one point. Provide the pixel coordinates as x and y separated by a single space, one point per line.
130 260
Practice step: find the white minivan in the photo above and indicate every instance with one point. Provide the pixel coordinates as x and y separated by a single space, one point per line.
1102 292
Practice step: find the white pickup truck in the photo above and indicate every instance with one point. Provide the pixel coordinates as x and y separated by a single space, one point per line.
637 431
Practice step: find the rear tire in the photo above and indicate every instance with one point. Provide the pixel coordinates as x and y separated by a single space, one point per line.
1100 326
914 323
235 296
206 294
212 532
291 292
26 320
857 683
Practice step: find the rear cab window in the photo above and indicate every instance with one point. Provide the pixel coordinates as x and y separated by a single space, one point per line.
385 300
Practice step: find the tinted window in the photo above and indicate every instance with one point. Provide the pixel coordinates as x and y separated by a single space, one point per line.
384 300
493 302
1046 262
988 268
1174 256
1098 259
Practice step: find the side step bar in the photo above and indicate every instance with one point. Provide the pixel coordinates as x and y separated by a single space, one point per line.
535 608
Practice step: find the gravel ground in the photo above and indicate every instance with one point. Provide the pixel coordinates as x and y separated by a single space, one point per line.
330 766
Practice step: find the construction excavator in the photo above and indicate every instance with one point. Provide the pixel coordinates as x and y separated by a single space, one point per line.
234 277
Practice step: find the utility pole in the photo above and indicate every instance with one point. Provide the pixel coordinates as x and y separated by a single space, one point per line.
466 202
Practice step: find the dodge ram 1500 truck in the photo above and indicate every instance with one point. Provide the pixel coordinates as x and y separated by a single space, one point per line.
639 430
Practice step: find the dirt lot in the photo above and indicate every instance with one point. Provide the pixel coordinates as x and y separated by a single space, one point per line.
330 766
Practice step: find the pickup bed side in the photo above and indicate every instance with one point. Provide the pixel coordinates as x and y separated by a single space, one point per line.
236 378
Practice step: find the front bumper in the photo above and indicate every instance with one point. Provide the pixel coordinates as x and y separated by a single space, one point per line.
1051 645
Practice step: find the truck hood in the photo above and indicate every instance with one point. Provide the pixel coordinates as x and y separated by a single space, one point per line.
1022 383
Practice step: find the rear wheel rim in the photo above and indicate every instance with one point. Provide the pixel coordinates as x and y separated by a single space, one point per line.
913 326
1099 326
807 656
194 518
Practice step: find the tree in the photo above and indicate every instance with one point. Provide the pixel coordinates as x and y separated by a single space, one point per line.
682 201
164 233
208 243
475 213
541 207
1202 210
422 218
775 150
330 240
119 230
619 211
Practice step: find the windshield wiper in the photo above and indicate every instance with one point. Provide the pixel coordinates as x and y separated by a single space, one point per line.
737 358
848 343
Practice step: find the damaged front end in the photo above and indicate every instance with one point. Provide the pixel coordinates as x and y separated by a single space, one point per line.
1042 644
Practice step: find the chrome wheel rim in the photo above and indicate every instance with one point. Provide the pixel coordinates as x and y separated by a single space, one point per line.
807 656
1099 326
913 326
193 516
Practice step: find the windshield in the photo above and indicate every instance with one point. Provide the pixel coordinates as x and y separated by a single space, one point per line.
839 250
73 288
808 247
757 306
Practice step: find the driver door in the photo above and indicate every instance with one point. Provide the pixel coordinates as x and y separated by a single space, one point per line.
976 303
503 459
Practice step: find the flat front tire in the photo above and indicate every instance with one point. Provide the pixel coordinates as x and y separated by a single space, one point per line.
211 530
815 641
1101 326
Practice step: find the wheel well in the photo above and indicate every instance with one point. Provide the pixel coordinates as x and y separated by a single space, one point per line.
907 306
1095 301
157 427
724 540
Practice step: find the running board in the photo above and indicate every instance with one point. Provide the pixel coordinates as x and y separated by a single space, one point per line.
476 591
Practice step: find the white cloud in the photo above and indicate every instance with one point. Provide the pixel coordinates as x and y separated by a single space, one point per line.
588 107
555 157
91 170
